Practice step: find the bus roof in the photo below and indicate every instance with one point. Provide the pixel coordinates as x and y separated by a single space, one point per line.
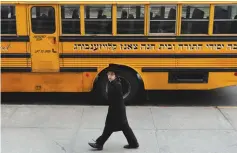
117 1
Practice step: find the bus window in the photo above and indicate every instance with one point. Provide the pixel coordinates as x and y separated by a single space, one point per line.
43 20
225 19
8 19
98 19
70 15
162 18
130 19
195 19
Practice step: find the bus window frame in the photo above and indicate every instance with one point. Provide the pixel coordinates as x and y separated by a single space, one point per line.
55 21
60 21
81 12
176 20
15 5
144 19
209 20
84 23
224 34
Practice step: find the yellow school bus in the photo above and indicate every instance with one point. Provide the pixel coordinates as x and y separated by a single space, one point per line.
66 46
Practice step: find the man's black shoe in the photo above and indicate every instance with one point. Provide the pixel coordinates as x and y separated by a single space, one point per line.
131 146
96 146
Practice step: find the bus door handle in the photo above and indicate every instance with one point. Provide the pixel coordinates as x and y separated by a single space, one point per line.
53 39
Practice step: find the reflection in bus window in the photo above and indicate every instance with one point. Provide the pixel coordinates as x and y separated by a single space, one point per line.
130 19
195 19
98 19
162 18
225 19
70 19
43 20
8 19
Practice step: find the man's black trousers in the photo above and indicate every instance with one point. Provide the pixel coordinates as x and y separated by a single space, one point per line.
127 131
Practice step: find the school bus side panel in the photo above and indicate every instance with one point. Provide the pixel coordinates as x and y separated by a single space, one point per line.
41 82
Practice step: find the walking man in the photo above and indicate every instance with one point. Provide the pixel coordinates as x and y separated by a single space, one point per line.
116 119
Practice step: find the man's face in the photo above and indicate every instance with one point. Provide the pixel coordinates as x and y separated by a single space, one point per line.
111 76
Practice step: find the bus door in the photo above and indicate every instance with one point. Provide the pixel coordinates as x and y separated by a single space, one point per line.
44 33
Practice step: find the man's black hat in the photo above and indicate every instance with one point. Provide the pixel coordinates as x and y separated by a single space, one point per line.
113 68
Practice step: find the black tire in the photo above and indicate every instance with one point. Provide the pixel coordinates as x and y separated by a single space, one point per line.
131 91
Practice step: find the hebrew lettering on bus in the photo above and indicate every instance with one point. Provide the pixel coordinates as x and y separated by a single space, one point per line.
95 47
128 47
232 47
154 47
148 47
166 47
215 46
190 47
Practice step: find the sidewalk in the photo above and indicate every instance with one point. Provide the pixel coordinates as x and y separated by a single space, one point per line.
67 129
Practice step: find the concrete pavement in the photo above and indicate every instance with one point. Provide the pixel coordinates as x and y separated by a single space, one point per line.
67 129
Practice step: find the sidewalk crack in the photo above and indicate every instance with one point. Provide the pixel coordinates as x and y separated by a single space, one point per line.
155 130
228 120
60 146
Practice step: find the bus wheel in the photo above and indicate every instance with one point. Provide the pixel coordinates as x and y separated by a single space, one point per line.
130 84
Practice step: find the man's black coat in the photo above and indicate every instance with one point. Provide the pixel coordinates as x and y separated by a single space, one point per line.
116 116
